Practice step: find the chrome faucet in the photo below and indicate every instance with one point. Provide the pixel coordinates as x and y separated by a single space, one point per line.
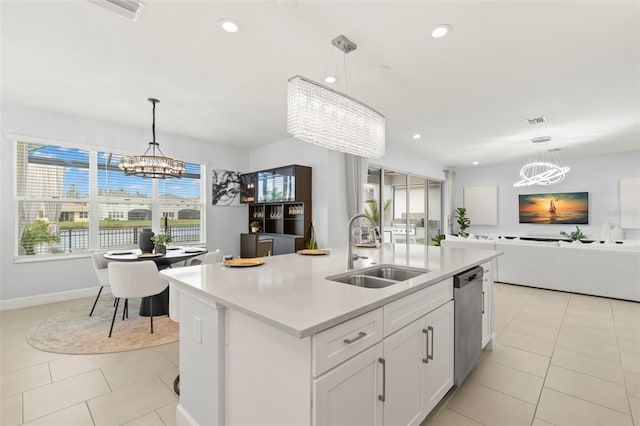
350 256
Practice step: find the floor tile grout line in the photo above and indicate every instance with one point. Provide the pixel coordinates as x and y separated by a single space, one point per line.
584 373
555 343
590 402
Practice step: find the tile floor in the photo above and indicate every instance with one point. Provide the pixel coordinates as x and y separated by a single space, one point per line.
560 359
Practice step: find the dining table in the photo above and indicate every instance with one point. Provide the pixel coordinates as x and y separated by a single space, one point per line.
174 254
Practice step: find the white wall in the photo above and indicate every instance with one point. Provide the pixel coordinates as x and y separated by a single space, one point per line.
597 175
19 280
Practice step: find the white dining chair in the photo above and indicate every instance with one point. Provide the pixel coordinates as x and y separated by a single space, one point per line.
211 257
100 266
134 279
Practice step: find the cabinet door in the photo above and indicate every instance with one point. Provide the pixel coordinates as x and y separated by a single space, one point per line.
403 353
349 394
437 371
487 291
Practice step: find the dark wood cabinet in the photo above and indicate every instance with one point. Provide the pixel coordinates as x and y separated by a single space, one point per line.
281 206
254 245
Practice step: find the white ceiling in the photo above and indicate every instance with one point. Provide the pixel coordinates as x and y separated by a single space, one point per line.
468 94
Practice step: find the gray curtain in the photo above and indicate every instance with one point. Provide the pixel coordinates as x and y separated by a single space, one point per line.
356 171
449 200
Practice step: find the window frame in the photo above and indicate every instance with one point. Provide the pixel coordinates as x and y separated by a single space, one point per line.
92 200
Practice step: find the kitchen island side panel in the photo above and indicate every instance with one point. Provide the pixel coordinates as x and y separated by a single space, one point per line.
269 376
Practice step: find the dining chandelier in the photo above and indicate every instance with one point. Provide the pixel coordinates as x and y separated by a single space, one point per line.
544 169
150 165
333 120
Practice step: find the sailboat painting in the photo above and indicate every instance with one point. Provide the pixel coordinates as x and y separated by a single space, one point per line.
554 208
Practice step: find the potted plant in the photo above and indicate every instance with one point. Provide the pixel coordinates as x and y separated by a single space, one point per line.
463 221
255 226
437 240
161 240
35 234
575 235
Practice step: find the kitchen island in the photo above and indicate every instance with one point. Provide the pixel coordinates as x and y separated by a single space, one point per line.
281 344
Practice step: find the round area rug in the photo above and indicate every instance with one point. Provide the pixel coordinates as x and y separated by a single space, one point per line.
75 332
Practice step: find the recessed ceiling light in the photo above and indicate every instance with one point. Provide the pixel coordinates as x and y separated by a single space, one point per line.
441 30
417 136
330 79
475 163
229 26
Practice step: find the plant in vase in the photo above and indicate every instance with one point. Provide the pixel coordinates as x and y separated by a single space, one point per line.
35 234
161 240
575 235
463 221
255 226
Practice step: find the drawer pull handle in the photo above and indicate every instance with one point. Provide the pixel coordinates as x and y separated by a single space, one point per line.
483 303
384 380
360 336
425 331
431 330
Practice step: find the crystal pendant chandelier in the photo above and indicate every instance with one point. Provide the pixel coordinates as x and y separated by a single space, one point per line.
333 120
544 169
150 165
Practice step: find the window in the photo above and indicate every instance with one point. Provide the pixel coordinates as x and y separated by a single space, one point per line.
71 200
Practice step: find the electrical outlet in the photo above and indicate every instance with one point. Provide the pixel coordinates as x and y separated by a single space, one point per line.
197 329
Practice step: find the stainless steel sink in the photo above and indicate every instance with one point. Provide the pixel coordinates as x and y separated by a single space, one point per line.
365 281
393 273
378 276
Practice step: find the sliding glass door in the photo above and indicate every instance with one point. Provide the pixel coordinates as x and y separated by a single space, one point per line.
407 208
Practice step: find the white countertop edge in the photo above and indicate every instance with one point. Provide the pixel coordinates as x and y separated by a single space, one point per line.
437 276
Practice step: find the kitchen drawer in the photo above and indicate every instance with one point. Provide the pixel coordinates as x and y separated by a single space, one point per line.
401 312
339 343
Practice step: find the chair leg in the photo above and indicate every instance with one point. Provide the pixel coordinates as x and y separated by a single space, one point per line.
151 306
126 309
97 297
115 311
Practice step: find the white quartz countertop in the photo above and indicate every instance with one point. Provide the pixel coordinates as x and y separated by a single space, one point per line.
290 291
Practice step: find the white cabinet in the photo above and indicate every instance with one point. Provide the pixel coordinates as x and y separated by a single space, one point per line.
396 382
437 374
419 367
487 303
403 353
352 393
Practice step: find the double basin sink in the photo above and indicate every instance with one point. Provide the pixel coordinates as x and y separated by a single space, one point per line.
378 276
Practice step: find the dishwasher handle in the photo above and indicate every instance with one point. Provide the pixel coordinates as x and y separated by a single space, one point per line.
468 277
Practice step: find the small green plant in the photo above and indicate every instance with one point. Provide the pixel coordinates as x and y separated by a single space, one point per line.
575 235
36 234
311 243
161 239
374 212
255 224
437 240
463 221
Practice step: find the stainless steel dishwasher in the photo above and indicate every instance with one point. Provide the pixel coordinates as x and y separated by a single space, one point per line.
467 294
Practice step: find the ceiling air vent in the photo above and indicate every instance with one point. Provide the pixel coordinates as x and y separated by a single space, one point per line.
128 8
537 120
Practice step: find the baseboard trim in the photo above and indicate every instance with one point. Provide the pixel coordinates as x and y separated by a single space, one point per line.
43 299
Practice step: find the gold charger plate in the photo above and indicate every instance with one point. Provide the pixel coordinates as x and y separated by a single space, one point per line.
313 252
366 245
150 255
243 262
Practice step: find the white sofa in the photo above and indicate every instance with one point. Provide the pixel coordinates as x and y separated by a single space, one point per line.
609 270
